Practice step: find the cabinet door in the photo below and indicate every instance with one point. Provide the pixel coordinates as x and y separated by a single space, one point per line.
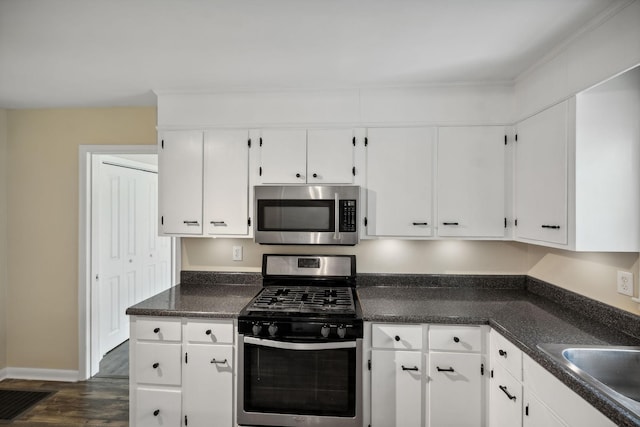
396 383
226 182
505 399
471 181
399 182
157 407
283 156
541 176
208 394
536 414
180 182
330 157
455 390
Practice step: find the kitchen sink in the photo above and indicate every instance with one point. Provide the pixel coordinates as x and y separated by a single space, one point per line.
613 370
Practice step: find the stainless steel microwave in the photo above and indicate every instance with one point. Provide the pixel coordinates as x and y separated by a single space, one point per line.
306 214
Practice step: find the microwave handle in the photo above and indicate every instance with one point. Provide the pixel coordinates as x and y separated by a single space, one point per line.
336 233
299 346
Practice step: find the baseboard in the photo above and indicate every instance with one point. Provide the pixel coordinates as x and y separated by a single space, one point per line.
3 373
41 374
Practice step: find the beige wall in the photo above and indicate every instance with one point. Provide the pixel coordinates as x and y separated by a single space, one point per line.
590 274
3 238
42 314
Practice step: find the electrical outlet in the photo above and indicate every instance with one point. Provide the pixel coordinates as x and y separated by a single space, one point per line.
625 283
237 253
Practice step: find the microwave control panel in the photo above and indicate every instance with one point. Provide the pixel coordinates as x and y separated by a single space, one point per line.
348 214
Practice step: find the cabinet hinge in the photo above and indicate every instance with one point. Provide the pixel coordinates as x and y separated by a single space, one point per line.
186 357
515 222
366 141
260 171
505 222
526 410
492 373
365 221
260 141
186 420
354 141
482 369
162 220
249 222
353 171
516 137
369 364
162 144
505 140
249 142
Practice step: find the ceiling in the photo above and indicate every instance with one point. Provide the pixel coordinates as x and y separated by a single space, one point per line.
77 53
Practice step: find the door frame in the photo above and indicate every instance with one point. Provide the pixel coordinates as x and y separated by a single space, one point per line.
88 357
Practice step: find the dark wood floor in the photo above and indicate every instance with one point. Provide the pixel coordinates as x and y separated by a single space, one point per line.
97 402
115 364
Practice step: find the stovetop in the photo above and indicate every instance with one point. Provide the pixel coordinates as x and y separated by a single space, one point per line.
303 299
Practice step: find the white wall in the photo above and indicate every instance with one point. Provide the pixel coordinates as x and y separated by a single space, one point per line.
4 277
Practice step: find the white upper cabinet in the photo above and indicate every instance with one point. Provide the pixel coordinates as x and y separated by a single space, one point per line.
330 156
399 164
541 176
471 181
180 182
298 156
226 182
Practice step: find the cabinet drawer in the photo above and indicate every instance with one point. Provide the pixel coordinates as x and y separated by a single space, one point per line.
158 407
209 332
158 363
505 397
405 337
507 354
155 329
455 338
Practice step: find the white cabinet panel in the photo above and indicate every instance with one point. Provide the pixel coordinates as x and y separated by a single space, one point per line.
207 332
400 181
455 390
157 407
396 383
180 182
209 385
226 182
505 399
158 363
505 353
399 337
471 181
455 338
536 414
283 156
330 156
156 329
541 176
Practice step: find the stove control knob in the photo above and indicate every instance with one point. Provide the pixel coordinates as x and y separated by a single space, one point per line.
273 328
342 331
256 328
324 331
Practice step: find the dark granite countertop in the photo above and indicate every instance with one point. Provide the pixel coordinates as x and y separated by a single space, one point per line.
197 300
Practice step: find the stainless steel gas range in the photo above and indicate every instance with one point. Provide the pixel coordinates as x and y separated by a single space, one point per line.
300 345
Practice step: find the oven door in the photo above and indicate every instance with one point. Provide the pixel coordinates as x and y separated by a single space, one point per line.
283 383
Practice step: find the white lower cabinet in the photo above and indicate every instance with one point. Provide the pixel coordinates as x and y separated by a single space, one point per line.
181 372
505 398
536 414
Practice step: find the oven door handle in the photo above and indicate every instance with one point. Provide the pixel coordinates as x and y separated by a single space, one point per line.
299 346
336 232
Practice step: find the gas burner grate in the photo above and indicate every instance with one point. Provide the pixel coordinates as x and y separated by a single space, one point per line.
304 299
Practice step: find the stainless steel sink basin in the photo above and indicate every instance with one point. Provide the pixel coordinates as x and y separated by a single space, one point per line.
613 370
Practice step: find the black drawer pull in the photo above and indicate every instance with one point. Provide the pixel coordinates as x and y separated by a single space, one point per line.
219 362
155 365
420 223
156 330
502 353
156 412
315 175
554 227
444 370
456 339
219 223
450 223
404 368
191 222
298 175
208 332
397 338
509 395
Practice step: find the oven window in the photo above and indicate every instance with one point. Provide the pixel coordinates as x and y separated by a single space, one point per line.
303 382
296 215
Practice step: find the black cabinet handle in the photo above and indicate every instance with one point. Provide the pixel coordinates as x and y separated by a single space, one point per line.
156 330
297 175
156 412
397 338
502 353
315 175
208 332
509 395
553 227
219 223
191 222
450 223
219 362
456 339
444 370
420 223
404 368
155 365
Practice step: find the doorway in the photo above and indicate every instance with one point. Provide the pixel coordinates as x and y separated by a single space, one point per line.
122 259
